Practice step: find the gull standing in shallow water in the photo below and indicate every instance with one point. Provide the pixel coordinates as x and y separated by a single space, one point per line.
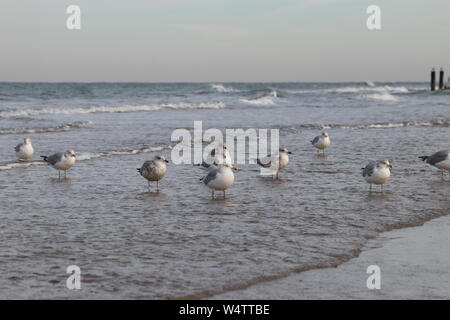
439 160
275 163
154 170
61 161
321 142
219 178
377 172
24 151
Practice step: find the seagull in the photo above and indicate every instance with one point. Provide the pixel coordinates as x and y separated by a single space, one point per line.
154 170
219 178
321 142
439 160
275 162
377 172
214 159
24 151
61 161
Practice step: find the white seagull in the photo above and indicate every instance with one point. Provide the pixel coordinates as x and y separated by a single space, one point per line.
154 170
61 161
440 160
321 142
219 178
377 172
276 162
24 151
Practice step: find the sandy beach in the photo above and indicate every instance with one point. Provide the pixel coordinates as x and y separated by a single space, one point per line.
414 263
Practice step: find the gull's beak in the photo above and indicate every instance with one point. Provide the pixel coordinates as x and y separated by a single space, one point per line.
166 161
236 169
391 166
289 152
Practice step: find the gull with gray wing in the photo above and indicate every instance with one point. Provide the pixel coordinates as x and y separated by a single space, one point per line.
377 172
440 160
154 170
219 178
61 161
275 163
321 142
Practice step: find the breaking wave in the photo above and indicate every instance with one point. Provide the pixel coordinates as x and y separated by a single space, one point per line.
384 96
221 88
111 109
61 128
264 100
369 89
383 125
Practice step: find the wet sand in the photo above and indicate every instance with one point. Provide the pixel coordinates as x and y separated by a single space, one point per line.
414 263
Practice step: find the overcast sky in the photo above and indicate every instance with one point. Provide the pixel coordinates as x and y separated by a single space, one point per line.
223 40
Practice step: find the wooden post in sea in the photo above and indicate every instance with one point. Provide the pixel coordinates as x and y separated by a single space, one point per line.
433 79
441 79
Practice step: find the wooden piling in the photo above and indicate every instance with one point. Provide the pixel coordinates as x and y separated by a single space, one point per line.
441 79
433 79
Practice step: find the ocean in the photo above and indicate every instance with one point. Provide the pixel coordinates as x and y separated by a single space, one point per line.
179 243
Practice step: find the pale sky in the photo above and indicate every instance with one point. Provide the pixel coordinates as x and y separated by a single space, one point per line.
223 40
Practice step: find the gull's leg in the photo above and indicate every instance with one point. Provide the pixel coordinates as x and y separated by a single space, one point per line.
382 187
157 186
224 194
59 175
212 194
148 185
65 174
442 174
370 188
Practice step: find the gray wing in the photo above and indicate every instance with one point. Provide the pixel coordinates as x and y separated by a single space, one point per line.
315 140
147 167
437 157
55 158
17 148
368 170
210 176
264 164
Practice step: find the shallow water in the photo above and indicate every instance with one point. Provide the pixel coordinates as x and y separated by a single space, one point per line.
130 243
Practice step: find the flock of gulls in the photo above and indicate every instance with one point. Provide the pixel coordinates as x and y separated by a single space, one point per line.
220 175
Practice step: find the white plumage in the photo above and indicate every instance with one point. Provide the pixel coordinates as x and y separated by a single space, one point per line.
61 161
275 163
220 178
322 142
25 150
377 172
